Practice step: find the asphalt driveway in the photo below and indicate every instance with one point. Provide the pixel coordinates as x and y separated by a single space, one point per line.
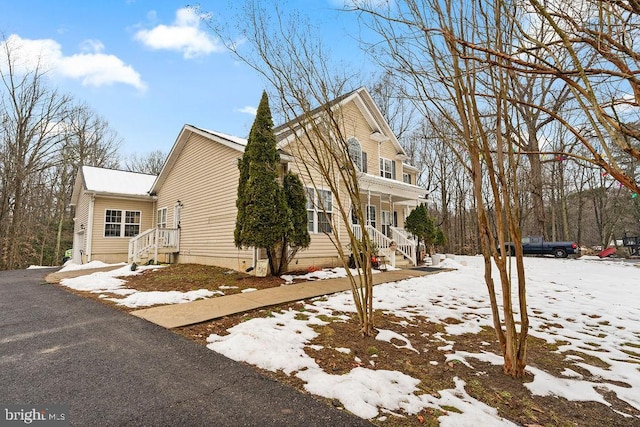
115 369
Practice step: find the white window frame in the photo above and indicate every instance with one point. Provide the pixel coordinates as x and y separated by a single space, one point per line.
406 178
123 226
386 168
371 219
355 152
162 217
385 222
319 212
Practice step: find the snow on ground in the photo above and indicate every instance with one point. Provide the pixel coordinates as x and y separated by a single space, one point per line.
109 282
145 299
327 273
70 266
590 304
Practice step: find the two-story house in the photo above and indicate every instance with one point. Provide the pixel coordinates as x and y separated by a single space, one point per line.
188 212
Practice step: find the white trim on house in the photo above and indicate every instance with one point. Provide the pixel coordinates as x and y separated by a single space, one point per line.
399 189
89 228
161 217
122 224
381 132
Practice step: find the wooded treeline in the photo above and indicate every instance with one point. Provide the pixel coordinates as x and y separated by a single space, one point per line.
45 136
578 201
573 103
566 74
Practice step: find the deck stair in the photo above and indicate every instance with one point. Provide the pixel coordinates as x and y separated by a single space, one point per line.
148 244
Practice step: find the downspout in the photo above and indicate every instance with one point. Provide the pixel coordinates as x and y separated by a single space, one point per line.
89 230
336 216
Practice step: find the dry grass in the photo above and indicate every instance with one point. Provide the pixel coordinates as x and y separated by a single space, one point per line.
484 382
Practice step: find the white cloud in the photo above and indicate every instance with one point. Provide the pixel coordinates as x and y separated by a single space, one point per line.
92 67
184 35
98 69
248 110
90 45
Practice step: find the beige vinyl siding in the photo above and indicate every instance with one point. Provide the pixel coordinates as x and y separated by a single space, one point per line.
82 212
356 126
115 249
321 248
205 180
82 220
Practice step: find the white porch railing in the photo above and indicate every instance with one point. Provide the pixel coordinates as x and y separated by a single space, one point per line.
151 241
406 246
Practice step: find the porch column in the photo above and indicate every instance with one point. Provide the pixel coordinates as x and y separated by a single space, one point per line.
368 204
392 210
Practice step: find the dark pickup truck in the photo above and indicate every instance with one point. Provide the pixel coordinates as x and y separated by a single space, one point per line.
538 246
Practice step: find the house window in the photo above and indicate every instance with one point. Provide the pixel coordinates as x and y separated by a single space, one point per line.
387 168
118 223
371 215
355 152
406 178
385 220
162 218
354 217
319 211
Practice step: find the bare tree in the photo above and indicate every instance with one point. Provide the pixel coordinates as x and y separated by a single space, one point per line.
420 43
30 136
44 138
150 163
282 47
394 105
87 140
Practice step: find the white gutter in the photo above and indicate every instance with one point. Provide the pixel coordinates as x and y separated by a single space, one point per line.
89 230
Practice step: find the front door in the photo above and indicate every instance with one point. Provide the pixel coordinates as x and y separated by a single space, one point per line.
176 215
78 247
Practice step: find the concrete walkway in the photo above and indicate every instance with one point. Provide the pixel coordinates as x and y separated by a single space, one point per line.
59 275
176 315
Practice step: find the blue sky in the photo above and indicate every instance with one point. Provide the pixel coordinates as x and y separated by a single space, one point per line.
148 67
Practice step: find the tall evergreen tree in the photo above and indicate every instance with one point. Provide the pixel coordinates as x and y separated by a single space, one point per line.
264 219
298 237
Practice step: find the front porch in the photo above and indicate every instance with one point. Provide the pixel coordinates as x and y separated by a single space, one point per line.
404 244
148 244
386 203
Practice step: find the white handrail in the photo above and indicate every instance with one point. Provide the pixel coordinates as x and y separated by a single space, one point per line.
406 246
153 239
380 240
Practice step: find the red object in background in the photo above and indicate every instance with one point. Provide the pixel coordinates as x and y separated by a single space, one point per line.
607 252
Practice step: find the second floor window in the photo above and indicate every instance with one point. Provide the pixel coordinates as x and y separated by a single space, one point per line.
355 152
387 168
406 178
